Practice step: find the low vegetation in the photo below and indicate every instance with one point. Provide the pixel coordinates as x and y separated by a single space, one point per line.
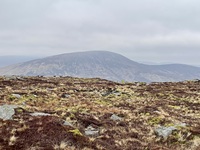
65 113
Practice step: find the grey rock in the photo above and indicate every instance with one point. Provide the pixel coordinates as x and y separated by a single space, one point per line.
7 111
91 131
16 95
181 125
106 93
66 123
117 93
40 114
165 132
20 78
67 95
23 103
115 118
10 77
49 89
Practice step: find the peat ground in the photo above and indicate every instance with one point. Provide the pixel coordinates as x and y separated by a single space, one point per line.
58 113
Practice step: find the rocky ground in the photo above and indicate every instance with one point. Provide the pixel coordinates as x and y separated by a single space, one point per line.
64 113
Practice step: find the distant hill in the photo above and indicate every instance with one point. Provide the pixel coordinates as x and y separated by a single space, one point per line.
103 64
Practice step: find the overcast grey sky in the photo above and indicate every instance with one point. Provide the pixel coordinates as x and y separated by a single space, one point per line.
142 30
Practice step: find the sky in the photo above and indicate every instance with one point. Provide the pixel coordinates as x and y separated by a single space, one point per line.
143 30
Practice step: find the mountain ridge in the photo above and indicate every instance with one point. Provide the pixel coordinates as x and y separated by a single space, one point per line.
102 64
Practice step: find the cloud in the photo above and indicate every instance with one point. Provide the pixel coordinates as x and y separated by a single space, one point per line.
154 30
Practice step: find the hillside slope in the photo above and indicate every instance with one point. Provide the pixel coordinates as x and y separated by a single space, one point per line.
102 64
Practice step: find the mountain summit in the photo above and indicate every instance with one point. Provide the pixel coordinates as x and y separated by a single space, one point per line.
103 64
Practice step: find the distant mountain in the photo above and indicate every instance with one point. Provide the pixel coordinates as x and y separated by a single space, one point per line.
103 64
11 59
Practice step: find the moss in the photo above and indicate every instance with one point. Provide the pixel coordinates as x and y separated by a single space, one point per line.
147 114
19 110
72 116
155 120
169 124
76 132
73 109
11 97
161 94
102 102
178 137
175 107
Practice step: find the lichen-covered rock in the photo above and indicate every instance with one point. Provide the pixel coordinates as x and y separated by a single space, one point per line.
115 118
7 111
91 131
16 95
66 123
165 132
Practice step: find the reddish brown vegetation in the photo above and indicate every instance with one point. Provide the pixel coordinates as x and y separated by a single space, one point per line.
91 102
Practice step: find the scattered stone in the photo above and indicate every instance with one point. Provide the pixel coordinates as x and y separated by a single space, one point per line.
7 111
105 93
49 89
7 77
91 131
165 132
20 78
66 123
98 125
115 118
40 114
116 93
23 103
181 125
16 95
66 96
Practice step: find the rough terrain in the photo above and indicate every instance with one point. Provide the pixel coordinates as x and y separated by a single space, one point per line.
65 113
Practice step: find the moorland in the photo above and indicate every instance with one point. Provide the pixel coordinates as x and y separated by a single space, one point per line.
61 113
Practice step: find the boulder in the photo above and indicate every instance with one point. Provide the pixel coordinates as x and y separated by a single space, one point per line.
165 132
115 118
91 131
16 95
7 111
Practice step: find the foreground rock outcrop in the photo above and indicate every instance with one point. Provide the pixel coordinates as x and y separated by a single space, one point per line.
52 113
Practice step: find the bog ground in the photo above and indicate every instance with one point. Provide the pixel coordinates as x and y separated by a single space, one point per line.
47 113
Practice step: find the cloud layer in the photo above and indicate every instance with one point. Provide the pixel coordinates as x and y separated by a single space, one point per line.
143 30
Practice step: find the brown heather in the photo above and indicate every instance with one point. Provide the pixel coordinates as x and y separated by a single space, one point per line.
141 108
